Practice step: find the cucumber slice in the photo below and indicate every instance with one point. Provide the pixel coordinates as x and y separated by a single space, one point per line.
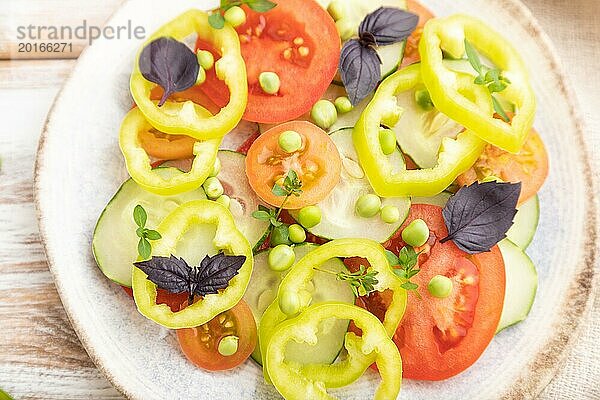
521 284
339 219
525 223
439 200
262 290
420 132
114 243
243 199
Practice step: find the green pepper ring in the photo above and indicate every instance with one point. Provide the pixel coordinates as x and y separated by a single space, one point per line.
230 68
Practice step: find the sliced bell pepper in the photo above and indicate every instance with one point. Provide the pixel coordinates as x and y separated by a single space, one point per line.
298 279
227 238
455 155
230 67
309 381
449 34
138 161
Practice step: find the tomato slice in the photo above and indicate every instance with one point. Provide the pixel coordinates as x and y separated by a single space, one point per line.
174 147
529 166
298 41
174 301
317 164
411 52
439 338
200 344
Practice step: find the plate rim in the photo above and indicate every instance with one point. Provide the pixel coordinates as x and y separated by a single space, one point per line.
543 367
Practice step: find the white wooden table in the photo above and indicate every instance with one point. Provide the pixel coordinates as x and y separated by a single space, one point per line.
40 355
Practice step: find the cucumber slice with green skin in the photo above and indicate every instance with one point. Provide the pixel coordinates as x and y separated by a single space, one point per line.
262 290
114 242
243 199
521 284
339 218
419 132
525 223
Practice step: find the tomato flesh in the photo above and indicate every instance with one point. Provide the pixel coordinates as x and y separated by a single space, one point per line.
298 41
439 338
411 52
317 164
529 166
200 345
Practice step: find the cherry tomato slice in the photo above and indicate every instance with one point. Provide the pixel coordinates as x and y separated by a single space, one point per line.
298 41
411 52
200 345
317 164
529 166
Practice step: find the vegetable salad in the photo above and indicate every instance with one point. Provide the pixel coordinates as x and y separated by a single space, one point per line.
328 186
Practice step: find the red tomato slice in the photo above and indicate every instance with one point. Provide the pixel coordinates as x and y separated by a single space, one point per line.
200 345
529 166
439 338
411 52
297 40
174 301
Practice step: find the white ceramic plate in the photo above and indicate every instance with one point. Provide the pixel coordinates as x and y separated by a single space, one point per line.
79 167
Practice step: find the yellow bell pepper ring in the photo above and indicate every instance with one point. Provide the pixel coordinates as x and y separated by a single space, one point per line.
454 157
231 68
298 279
227 238
373 346
449 34
138 164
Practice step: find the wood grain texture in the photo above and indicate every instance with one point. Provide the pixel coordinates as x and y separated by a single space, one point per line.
46 14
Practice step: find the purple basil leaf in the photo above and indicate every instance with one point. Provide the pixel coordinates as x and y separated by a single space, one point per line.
387 25
170 64
169 273
214 273
478 216
360 67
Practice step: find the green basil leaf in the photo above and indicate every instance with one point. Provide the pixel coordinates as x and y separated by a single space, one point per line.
152 235
139 216
409 286
261 5
144 248
262 215
216 20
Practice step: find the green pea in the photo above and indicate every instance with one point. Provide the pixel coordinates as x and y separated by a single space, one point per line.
423 99
289 302
216 168
205 59
213 188
297 233
280 235
368 205
440 286
228 346
290 141
235 16
390 214
269 82
309 216
343 105
224 200
281 257
201 76
387 140
416 233
324 114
